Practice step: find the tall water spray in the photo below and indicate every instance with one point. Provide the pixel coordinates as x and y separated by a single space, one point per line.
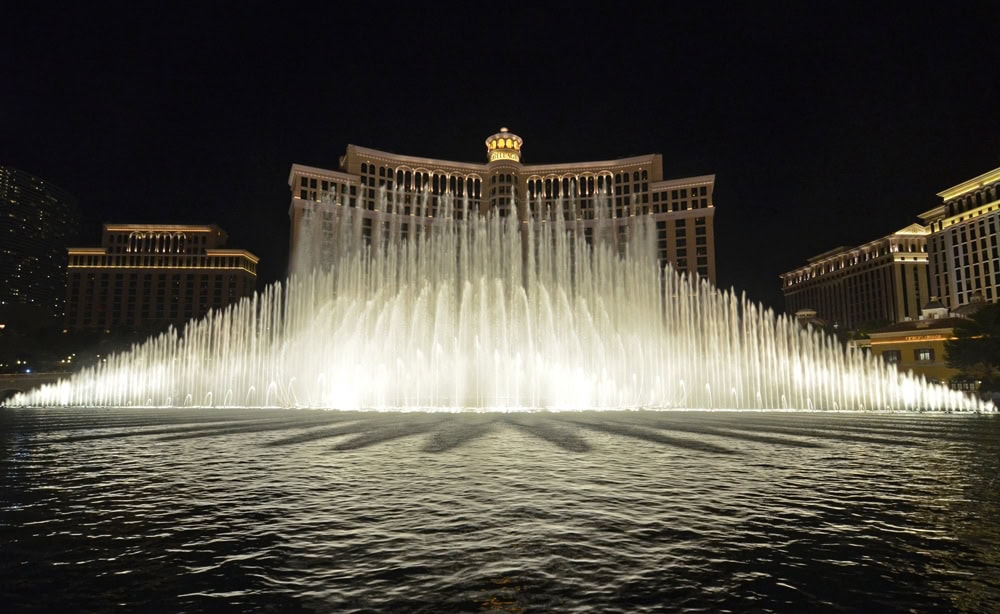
465 311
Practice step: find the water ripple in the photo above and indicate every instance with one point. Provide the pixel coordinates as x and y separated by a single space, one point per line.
187 510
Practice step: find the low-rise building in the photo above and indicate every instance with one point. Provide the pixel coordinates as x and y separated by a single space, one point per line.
917 346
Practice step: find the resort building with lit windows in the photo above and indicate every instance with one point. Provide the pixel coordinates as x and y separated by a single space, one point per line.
963 244
403 192
882 282
38 221
146 276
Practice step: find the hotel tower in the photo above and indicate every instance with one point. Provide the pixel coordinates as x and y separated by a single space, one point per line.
964 244
403 192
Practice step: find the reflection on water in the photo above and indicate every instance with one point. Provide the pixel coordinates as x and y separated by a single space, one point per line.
193 510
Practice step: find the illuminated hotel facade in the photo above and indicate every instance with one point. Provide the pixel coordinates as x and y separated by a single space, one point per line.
963 245
403 192
954 257
146 276
883 281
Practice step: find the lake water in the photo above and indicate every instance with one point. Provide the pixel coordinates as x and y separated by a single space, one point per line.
310 511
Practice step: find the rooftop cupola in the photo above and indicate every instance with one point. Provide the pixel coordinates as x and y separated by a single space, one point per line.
504 145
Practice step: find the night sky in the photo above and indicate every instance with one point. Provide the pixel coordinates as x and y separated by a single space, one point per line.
824 126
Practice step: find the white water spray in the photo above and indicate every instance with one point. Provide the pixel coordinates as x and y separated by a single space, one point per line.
489 313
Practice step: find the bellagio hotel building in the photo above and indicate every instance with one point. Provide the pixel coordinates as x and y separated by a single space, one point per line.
682 209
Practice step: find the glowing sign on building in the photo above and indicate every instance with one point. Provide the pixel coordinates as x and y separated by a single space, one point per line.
504 145
504 155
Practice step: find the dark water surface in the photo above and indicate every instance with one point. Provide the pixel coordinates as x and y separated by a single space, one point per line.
284 511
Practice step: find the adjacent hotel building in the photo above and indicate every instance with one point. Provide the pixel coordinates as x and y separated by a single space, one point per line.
416 190
954 258
883 281
146 276
963 244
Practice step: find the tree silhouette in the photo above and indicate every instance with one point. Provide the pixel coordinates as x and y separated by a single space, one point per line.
976 347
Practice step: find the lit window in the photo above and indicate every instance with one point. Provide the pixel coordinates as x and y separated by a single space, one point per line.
924 354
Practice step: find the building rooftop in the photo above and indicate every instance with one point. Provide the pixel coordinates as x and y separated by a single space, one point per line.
925 324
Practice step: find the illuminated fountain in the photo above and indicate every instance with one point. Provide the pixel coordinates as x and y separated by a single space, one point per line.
492 314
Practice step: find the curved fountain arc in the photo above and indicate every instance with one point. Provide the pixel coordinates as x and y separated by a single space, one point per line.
489 313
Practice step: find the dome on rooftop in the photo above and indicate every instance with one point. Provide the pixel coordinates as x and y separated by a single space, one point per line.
504 145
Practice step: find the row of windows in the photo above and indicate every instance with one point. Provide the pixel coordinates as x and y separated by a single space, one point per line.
938 225
385 231
983 196
850 302
89 307
130 303
169 261
500 196
441 183
894 357
548 188
846 264
155 242
418 180
188 289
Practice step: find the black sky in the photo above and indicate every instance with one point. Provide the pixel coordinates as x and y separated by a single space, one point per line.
825 124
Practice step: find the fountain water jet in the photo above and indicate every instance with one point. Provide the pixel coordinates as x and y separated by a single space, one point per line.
491 313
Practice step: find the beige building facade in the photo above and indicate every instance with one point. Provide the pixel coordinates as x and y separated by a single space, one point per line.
883 281
404 191
963 245
917 346
149 275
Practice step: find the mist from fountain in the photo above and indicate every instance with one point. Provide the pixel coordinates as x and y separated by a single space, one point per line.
488 313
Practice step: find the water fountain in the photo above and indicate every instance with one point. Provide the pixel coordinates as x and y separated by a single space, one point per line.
489 313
